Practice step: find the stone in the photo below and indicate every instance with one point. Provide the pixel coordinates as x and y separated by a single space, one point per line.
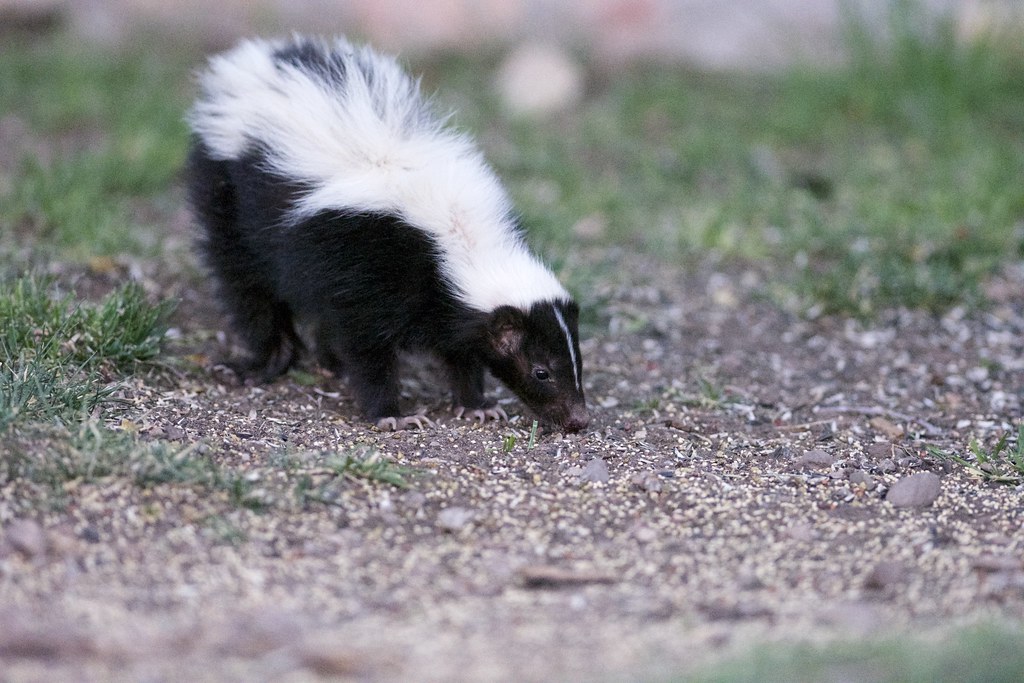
595 471
916 490
856 617
880 451
862 478
538 79
883 575
23 637
255 633
454 518
329 655
648 481
886 427
815 459
801 531
26 537
734 610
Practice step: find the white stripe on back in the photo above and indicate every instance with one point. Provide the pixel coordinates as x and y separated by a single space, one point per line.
370 143
572 349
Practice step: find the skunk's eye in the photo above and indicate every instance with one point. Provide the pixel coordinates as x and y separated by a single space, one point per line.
541 374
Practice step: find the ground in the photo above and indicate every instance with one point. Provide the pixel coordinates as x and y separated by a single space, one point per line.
733 488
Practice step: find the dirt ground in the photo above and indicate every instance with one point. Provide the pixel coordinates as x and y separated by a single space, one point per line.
737 485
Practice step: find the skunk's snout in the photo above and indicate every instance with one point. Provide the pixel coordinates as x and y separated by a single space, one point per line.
577 420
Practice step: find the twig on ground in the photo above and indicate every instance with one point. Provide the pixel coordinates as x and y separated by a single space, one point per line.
929 428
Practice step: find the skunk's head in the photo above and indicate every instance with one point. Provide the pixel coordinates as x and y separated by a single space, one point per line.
536 354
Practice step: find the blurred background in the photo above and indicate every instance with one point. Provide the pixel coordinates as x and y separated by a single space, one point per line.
866 153
728 34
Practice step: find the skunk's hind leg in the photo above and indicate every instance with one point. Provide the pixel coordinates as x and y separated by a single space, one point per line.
267 331
262 322
329 352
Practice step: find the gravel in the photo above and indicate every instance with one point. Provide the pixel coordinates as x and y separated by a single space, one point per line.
685 524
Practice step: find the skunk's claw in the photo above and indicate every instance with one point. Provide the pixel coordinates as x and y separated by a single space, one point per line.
393 424
482 415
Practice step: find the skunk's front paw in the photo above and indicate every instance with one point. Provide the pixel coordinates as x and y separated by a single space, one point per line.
481 414
393 424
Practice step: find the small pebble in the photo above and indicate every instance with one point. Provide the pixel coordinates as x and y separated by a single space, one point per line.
916 490
328 656
595 471
538 79
863 478
648 481
27 537
454 518
801 531
883 575
880 450
815 459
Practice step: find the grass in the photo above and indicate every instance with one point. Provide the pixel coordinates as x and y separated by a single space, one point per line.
60 363
931 134
54 350
985 653
322 477
891 181
46 323
45 459
1002 464
31 391
102 131
508 442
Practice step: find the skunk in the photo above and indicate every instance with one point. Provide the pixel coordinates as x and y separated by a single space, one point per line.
330 195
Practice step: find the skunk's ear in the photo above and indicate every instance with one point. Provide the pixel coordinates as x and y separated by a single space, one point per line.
505 330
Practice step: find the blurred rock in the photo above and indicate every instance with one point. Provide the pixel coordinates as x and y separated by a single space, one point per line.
863 478
31 636
30 15
917 490
814 459
595 471
883 575
330 655
538 79
593 226
454 518
26 537
648 481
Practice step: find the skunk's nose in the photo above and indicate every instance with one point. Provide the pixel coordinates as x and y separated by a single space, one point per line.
577 421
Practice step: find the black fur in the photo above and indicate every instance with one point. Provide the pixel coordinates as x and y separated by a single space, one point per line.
306 54
371 286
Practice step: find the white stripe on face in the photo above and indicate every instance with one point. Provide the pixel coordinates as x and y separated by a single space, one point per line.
572 349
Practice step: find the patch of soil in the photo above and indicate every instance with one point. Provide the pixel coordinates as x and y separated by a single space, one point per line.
732 488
